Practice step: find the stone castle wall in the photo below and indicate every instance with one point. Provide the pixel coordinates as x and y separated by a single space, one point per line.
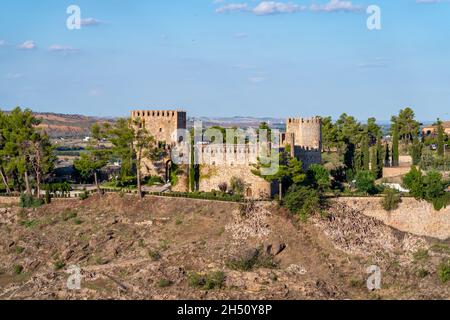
219 162
256 187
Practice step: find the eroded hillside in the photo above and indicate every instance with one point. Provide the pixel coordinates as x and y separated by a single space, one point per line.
164 248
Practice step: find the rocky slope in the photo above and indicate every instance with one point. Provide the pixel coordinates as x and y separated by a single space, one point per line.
163 248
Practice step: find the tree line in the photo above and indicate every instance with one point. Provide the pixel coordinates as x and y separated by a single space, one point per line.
27 156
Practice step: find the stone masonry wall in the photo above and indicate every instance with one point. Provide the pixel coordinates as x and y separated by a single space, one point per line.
212 176
416 217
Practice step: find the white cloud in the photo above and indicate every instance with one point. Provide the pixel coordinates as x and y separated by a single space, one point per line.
374 64
257 79
232 7
264 8
430 1
2 42
27 45
13 76
272 7
241 35
336 5
95 93
90 22
62 49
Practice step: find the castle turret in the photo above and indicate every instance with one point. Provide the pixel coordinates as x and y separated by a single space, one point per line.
162 124
307 131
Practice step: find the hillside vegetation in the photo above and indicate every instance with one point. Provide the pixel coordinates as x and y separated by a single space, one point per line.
165 248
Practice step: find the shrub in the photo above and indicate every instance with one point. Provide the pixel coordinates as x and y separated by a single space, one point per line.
391 200
68 214
164 283
210 281
252 259
413 181
223 187
365 182
422 273
444 271
28 223
48 197
154 255
430 187
58 265
237 185
28 201
20 249
18 269
84 195
421 255
302 200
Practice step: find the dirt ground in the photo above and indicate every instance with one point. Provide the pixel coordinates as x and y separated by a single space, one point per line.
128 249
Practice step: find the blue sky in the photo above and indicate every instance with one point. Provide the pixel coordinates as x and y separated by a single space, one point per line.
227 58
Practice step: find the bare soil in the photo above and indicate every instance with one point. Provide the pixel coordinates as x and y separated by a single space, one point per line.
131 249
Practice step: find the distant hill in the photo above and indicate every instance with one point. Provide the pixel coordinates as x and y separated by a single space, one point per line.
240 122
68 125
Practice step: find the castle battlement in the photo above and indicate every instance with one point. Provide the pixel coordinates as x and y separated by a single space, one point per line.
313 120
156 113
307 149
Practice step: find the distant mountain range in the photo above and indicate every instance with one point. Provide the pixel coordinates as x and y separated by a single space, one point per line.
72 125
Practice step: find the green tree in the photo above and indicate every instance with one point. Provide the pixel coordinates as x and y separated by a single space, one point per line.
373 131
408 128
143 143
380 159
329 133
365 182
387 156
365 152
302 200
121 136
413 181
440 139
3 156
318 177
435 189
41 157
395 144
416 151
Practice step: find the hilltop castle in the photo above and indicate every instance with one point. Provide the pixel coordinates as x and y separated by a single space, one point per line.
221 162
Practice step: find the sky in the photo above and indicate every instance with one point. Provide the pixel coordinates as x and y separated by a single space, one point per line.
227 58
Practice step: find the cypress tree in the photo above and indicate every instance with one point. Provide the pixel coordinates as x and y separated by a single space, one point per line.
374 162
395 153
387 156
440 148
416 152
365 153
380 159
